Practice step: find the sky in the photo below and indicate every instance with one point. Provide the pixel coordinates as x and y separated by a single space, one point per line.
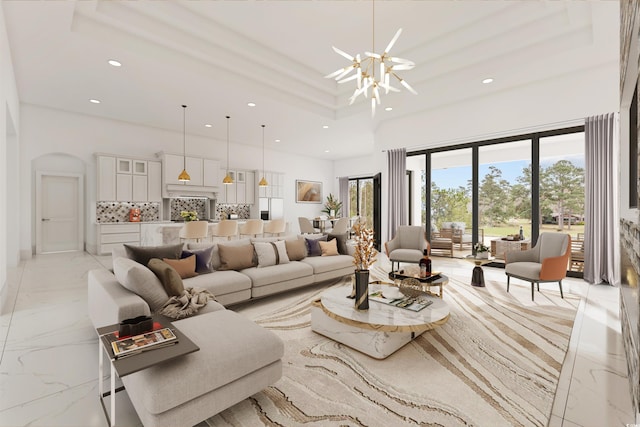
459 176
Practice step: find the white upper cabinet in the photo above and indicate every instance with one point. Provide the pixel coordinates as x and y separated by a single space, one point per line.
106 179
194 169
250 190
154 183
210 174
173 166
128 180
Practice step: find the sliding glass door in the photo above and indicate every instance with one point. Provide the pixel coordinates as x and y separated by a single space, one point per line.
364 202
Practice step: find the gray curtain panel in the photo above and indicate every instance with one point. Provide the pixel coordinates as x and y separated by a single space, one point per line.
601 233
398 203
343 183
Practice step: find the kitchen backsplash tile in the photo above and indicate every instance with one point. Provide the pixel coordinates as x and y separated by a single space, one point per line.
187 204
224 209
119 211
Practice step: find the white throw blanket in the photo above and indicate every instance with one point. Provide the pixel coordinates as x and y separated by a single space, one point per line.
187 304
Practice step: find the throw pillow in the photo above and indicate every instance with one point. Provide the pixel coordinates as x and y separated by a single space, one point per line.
171 280
203 259
186 267
141 281
341 242
271 253
235 257
329 248
142 254
313 247
296 249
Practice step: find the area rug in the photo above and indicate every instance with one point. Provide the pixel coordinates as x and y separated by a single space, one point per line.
496 362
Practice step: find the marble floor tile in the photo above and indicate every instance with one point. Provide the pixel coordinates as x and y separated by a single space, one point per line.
48 372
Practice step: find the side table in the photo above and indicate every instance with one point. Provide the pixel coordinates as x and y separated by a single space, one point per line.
477 277
137 362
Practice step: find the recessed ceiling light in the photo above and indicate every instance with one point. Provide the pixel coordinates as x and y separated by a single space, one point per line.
94 101
325 127
208 125
277 140
388 109
326 151
486 81
251 104
114 63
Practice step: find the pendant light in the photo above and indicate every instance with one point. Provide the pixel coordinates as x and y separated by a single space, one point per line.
263 182
184 176
227 179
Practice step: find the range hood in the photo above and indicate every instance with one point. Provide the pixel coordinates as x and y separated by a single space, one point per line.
177 190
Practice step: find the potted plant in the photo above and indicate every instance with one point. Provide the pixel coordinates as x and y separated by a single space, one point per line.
332 206
363 258
481 251
189 215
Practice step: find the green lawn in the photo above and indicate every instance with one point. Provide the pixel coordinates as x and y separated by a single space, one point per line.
504 230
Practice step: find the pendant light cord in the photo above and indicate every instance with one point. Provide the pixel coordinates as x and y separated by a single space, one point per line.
184 137
228 117
263 151
373 37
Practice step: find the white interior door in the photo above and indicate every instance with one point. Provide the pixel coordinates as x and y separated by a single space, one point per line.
59 216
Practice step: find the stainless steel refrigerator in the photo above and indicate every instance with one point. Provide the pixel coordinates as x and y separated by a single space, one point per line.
271 208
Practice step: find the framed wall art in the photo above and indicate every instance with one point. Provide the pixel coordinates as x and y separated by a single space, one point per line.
308 191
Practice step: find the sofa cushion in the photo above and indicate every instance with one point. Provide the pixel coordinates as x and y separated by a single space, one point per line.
186 267
203 259
277 273
271 253
313 245
234 257
220 282
296 249
226 354
329 248
323 264
142 254
169 277
141 281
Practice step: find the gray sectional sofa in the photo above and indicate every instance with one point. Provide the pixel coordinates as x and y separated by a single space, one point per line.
237 358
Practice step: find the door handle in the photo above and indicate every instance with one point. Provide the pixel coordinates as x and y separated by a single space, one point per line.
46 219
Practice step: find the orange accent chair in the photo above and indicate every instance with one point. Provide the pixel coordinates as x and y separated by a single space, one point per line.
546 262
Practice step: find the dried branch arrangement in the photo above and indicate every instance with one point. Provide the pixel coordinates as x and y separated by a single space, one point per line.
365 254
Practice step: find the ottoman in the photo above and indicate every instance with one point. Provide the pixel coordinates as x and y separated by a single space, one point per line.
237 359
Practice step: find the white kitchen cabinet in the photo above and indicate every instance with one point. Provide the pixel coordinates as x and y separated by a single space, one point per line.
250 191
124 187
211 173
275 189
106 179
154 181
139 167
139 191
112 235
123 165
172 168
194 169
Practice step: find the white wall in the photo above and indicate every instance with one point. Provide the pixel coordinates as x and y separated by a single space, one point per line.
9 140
46 131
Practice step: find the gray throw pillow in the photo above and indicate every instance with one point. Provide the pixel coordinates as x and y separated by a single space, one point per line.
341 241
203 259
142 254
313 247
168 275
141 281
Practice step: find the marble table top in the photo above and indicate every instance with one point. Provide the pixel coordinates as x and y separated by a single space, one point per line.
381 316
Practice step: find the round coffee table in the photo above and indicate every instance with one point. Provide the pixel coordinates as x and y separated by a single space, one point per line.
379 331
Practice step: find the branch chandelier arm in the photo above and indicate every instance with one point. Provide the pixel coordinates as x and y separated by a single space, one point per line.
184 176
365 70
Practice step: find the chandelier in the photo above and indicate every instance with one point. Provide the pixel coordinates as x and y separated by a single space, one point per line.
365 71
